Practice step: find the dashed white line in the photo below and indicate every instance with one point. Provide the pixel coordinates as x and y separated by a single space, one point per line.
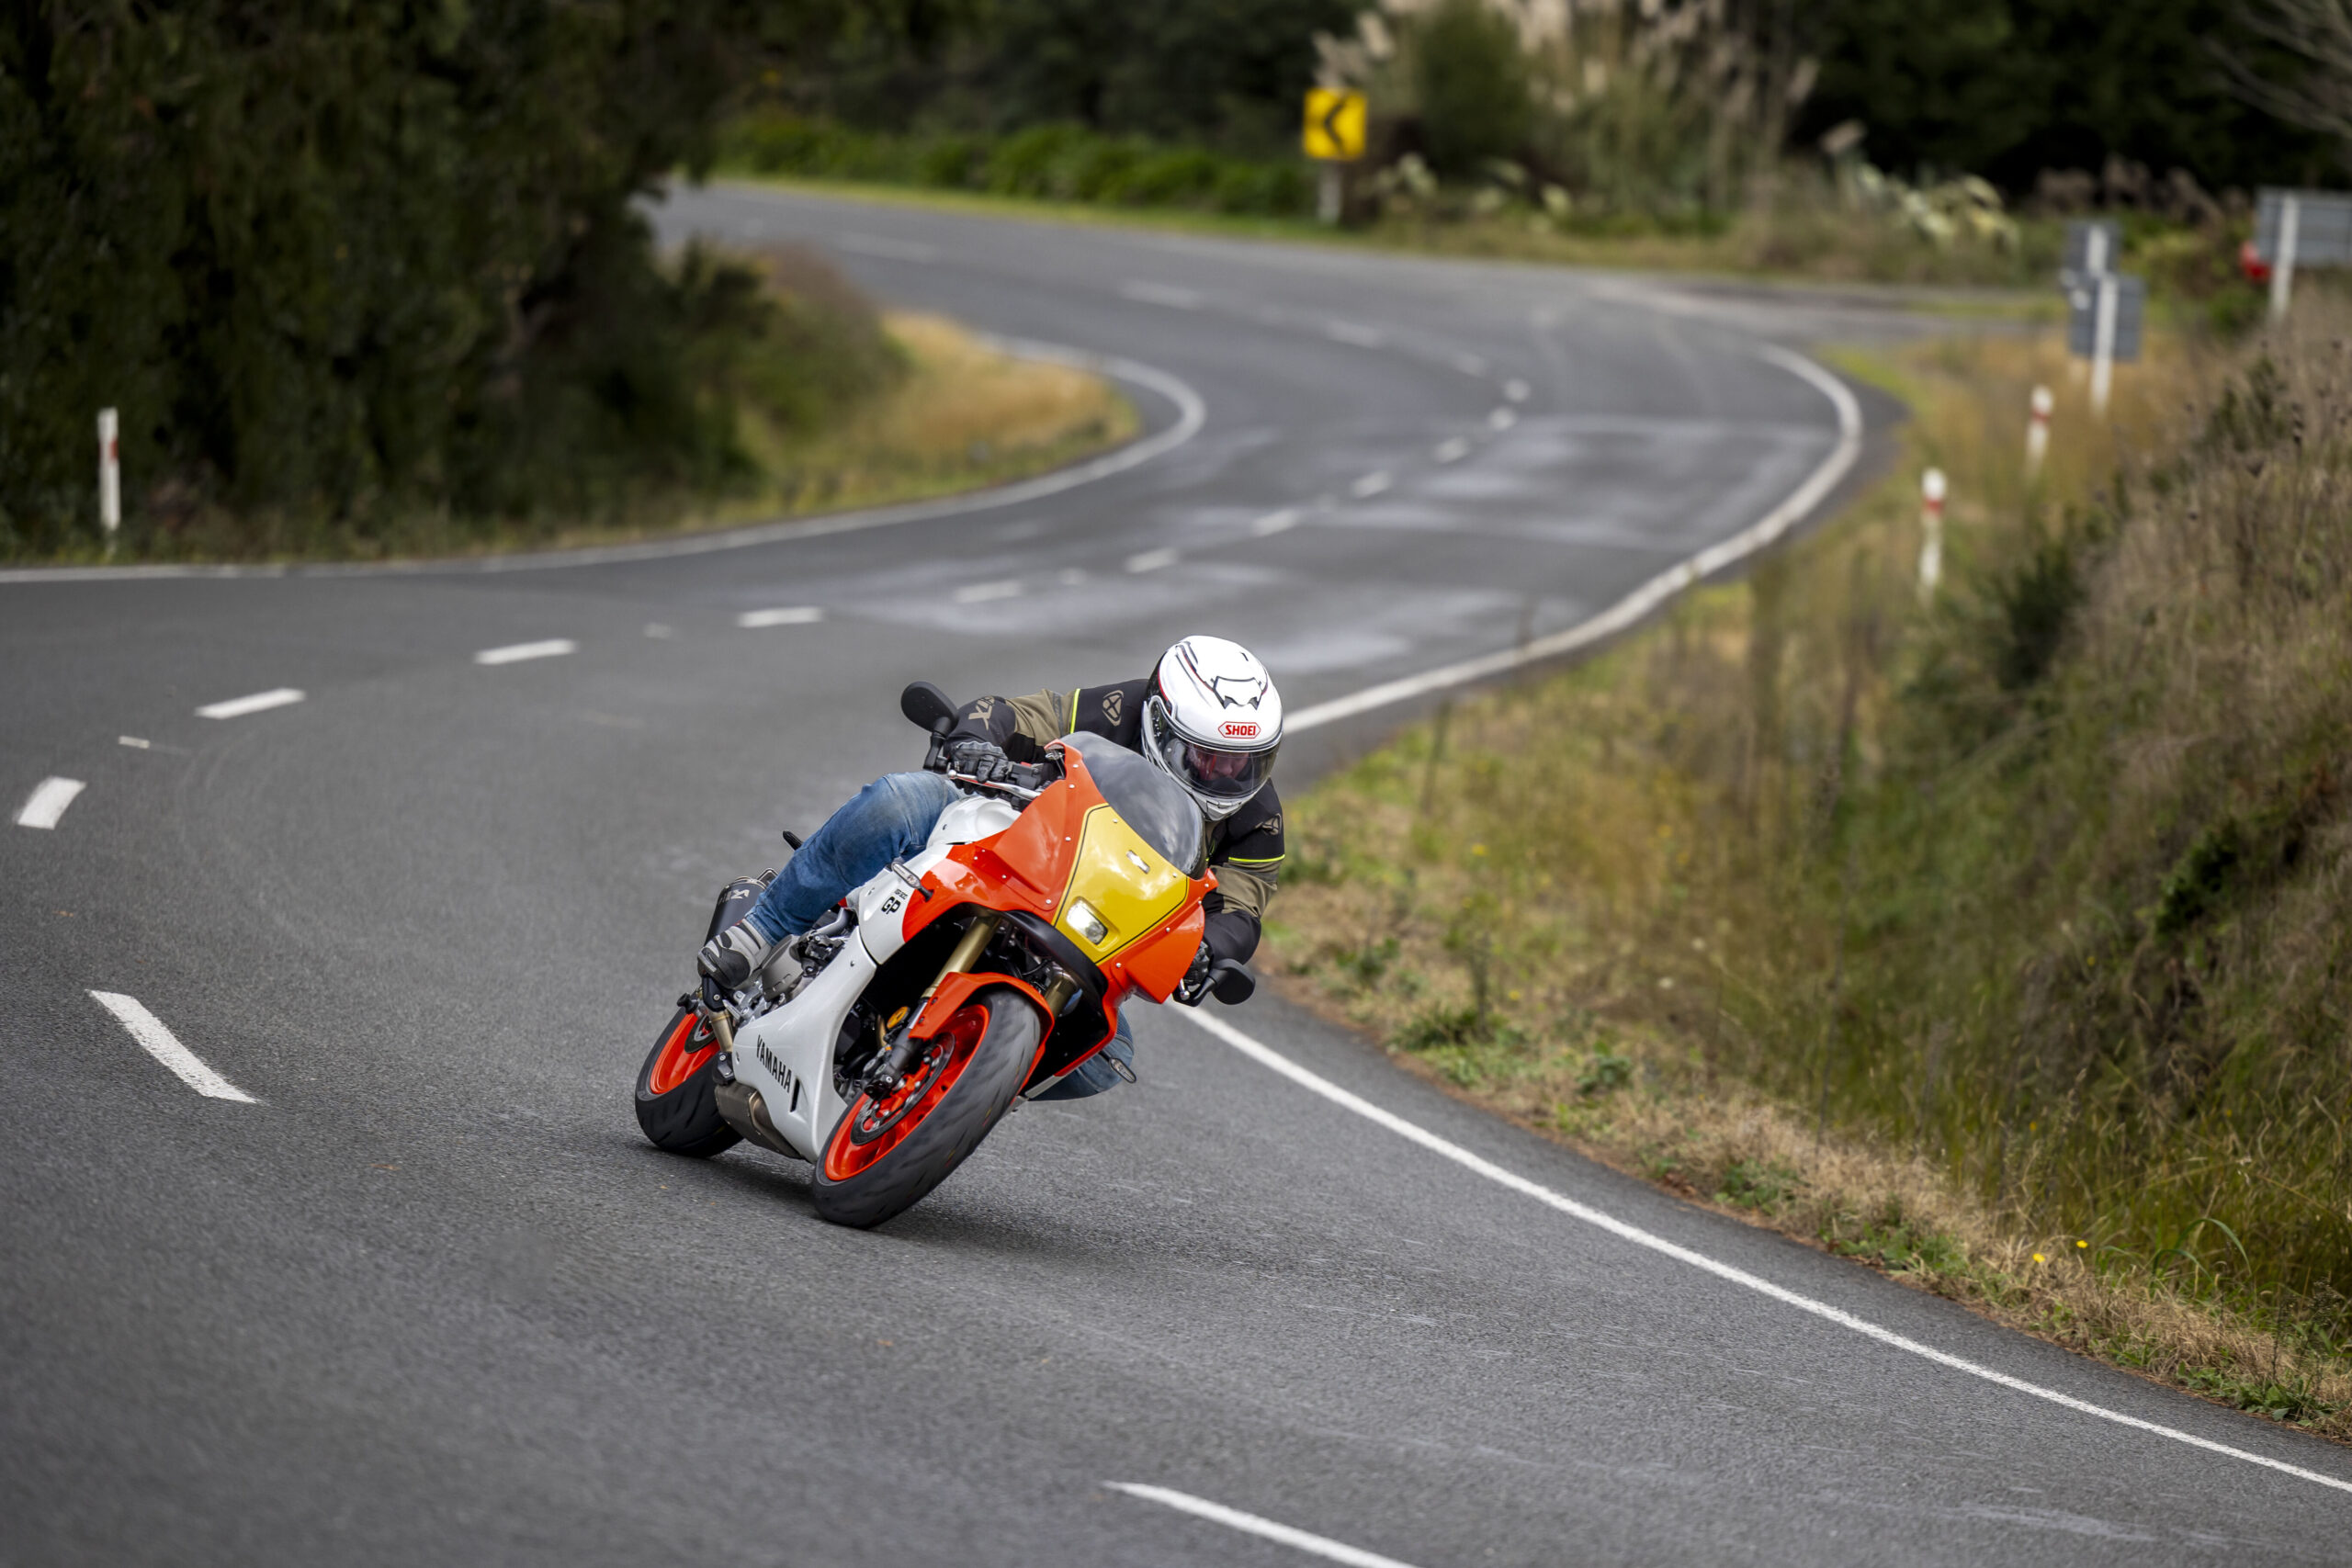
135 743
982 592
516 652
1151 560
1149 293
1072 576
158 1042
786 615
1275 522
1413 1132
1321 1546
1516 391
1451 450
657 630
1503 418
260 701
1372 484
47 802
1469 365
1351 332
889 249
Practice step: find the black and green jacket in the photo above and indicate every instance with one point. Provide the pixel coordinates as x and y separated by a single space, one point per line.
1245 848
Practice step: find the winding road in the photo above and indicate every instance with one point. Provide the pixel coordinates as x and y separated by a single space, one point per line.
342 904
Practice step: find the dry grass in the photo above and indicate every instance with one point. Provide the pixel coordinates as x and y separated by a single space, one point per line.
1971 932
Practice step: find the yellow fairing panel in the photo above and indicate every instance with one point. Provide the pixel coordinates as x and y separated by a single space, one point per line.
1130 887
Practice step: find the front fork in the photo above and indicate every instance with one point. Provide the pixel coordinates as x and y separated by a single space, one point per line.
898 1058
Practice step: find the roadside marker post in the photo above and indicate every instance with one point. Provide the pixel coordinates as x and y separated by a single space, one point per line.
2300 228
1931 534
1332 136
2036 432
110 477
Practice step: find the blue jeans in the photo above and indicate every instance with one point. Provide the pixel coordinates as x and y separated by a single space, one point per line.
889 819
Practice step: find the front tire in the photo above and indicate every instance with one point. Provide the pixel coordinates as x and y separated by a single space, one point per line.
675 1105
884 1156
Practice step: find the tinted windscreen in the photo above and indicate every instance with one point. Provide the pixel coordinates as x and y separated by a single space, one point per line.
1147 800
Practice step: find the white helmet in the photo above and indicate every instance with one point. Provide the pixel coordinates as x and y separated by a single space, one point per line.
1214 722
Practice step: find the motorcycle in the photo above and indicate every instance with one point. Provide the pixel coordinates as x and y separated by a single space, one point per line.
884 1043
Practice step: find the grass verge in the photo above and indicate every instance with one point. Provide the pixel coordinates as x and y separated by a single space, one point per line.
2000 942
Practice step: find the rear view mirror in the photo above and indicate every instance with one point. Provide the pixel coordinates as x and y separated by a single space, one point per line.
927 708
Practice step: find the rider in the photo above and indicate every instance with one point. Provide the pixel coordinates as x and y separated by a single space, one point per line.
1208 714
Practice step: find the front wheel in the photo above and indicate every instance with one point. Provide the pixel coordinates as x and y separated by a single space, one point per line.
888 1152
675 1101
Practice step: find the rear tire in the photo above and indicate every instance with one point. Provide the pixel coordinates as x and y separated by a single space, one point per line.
675 1105
938 1126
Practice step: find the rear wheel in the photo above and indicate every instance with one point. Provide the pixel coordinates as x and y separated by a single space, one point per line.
888 1152
674 1101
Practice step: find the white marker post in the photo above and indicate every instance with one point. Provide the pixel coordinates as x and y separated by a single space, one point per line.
2036 432
2282 269
1931 534
2103 347
109 478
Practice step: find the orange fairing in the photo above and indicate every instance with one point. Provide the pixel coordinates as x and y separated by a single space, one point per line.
1066 844
958 990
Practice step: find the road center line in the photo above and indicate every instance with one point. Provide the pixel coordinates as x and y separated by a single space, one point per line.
793 616
1516 391
1469 365
1350 332
982 592
1451 450
47 802
1151 560
1793 509
1268 1057
260 701
1250 1524
1503 418
1372 484
516 652
1275 522
158 1042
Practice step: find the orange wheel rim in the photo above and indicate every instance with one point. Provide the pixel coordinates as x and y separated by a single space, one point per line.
678 1059
871 1128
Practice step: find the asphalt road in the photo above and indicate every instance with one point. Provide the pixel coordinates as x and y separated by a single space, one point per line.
425 1296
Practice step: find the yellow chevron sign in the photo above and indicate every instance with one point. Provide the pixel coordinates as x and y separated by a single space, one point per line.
1334 124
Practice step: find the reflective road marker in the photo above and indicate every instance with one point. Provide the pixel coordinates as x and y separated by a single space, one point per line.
1233 1519
47 802
158 1042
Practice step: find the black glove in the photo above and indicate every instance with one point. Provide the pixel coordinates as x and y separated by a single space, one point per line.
1195 983
983 760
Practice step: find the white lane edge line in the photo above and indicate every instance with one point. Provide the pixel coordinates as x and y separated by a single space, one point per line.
1250 1524
786 616
1629 610
1267 1056
160 1043
516 652
1192 413
1151 560
47 804
260 701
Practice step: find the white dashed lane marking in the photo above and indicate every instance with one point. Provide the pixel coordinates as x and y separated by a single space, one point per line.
1275 522
135 743
1350 332
1321 1546
1371 485
982 592
260 701
516 652
1515 391
47 802
1151 560
791 615
158 1042
889 249
1503 418
1167 294
1451 450
1469 365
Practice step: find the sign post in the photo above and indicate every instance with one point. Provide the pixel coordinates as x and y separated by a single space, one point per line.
2300 228
109 478
2104 315
1333 135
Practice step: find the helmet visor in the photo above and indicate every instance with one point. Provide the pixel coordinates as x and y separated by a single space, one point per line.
1214 772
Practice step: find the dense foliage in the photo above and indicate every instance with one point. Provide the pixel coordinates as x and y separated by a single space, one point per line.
352 256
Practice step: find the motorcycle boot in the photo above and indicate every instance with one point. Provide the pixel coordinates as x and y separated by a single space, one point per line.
731 957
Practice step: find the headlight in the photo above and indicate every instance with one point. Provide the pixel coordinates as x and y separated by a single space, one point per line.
1087 923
